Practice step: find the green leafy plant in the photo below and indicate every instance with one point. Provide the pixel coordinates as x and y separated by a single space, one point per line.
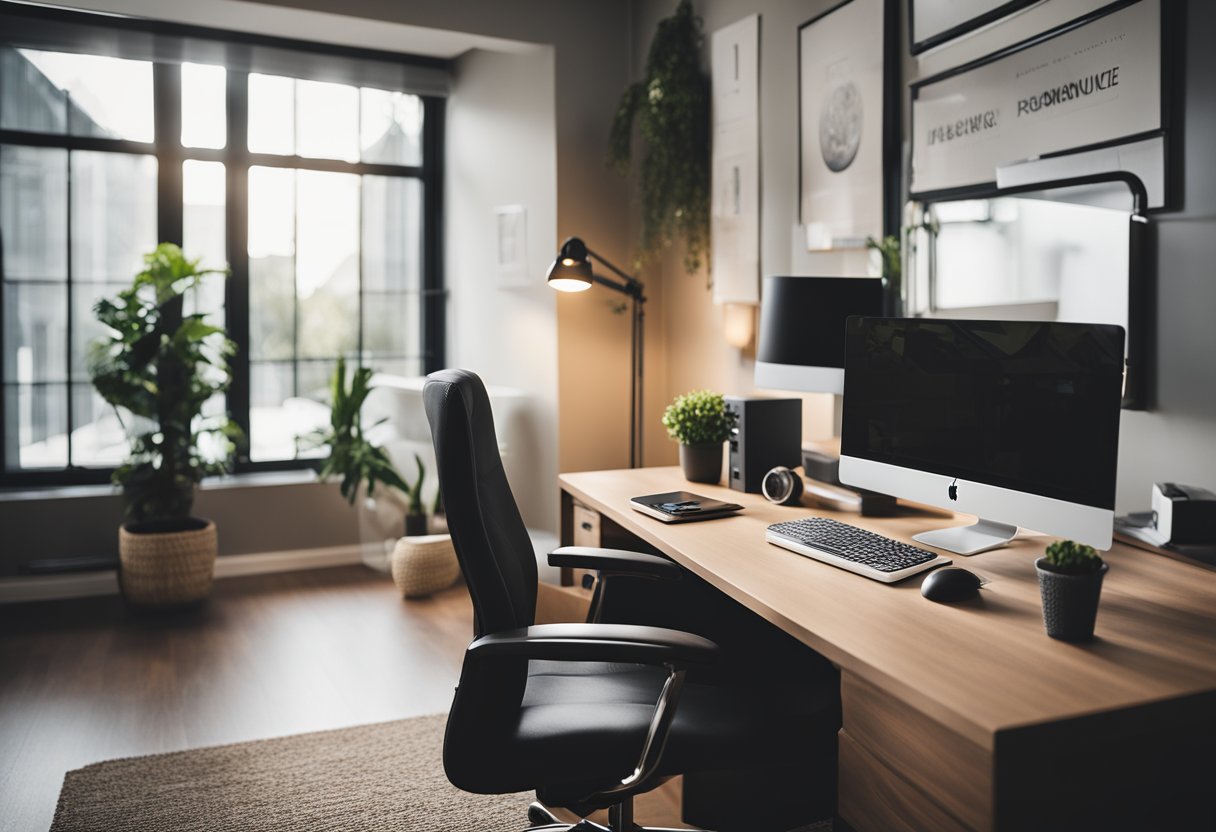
671 106
1071 558
888 250
352 457
698 418
158 367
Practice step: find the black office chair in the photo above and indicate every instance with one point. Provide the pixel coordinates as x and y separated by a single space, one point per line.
589 715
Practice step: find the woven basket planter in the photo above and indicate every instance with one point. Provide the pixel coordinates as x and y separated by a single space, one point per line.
167 569
424 564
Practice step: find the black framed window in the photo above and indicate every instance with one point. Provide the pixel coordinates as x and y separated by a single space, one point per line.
321 193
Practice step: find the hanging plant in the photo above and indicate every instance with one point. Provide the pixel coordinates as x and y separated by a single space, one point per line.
671 105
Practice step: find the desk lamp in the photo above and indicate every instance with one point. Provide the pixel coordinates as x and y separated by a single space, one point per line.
571 272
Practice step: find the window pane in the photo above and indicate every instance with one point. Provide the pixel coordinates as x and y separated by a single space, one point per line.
113 214
37 415
204 106
28 100
105 97
391 324
276 417
327 121
391 129
327 265
271 263
98 438
271 114
392 234
35 332
34 212
204 190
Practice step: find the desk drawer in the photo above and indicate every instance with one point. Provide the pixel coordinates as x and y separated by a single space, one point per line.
586 526
950 769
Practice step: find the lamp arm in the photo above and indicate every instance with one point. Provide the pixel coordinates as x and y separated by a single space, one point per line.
632 286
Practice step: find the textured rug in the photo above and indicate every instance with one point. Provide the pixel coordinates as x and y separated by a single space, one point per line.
386 777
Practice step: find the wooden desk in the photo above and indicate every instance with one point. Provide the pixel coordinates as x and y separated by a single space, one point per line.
968 716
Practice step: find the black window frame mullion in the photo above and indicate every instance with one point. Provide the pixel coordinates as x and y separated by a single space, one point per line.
433 326
167 118
236 241
170 155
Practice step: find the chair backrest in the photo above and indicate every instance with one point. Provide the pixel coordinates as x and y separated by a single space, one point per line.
489 536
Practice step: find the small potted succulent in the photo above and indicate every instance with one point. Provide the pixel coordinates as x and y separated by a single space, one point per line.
1070 582
700 422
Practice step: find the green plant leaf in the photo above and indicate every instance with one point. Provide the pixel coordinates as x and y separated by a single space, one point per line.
698 418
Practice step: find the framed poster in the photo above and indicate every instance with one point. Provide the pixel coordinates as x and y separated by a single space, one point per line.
933 22
848 124
1094 83
735 212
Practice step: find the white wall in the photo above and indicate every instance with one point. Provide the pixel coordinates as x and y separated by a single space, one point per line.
502 150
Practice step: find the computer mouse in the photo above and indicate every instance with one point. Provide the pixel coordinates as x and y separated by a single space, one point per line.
950 584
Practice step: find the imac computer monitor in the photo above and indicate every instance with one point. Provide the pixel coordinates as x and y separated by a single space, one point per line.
1016 422
801 344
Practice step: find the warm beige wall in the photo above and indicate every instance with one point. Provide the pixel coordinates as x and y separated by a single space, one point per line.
694 327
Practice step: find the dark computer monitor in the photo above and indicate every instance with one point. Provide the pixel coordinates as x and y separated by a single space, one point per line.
801 344
1016 422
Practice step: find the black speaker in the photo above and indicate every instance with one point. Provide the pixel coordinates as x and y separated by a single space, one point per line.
767 433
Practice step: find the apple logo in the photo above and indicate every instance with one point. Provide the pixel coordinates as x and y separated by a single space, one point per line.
953 489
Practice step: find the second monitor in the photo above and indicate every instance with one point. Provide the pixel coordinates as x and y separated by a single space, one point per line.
801 344
1016 422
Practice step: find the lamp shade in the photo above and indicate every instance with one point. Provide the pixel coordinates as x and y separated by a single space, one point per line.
571 271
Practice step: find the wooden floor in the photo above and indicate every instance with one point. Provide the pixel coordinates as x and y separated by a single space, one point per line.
269 655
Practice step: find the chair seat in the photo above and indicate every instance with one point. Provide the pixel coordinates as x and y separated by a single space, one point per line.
598 714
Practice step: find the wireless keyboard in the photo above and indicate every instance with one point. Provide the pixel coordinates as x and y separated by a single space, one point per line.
854 549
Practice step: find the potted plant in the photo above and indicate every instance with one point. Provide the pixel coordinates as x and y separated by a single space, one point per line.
355 460
671 105
891 268
158 367
1070 582
700 422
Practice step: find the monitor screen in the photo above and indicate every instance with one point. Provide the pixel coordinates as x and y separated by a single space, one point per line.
1028 406
801 340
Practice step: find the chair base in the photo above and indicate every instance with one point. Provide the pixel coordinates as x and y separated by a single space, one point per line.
620 819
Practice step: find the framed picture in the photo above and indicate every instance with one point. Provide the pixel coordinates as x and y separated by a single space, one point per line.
735 217
1092 86
933 22
848 125
511 223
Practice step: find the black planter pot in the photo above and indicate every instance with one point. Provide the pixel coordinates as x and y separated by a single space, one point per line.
702 463
415 525
1070 602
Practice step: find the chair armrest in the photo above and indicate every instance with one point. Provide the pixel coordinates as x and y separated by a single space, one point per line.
615 562
596 643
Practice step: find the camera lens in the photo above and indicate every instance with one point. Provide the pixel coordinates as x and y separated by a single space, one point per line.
781 486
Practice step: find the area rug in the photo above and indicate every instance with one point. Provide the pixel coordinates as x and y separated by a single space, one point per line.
387 778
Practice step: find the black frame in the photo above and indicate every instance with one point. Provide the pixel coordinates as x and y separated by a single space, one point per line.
891 121
1168 70
1141 233
971 24
167 149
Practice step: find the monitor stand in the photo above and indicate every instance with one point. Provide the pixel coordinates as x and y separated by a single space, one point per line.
969 540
